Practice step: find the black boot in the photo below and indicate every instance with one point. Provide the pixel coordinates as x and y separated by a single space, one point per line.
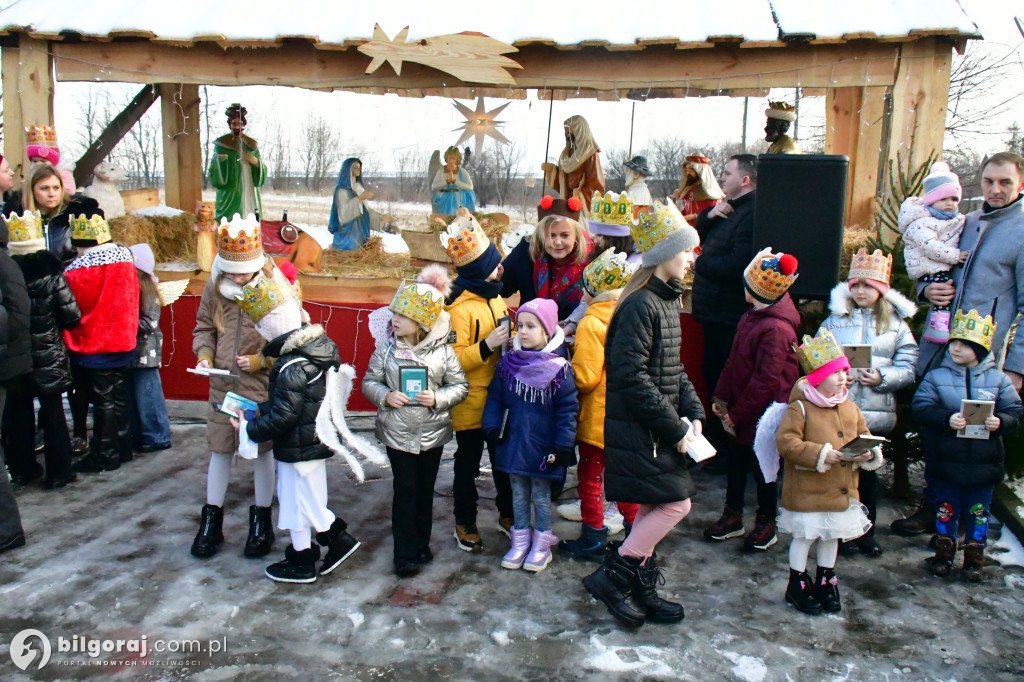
590 546
945 550
297 567
800 593
211 533
339 543
920 522
99 459
611 584
261 532
656 609
826 590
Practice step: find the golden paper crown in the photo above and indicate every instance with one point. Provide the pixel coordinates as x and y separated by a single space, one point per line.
26 227
44 136
973 327
464 241
820 351
611 209
607 272
93 228
655 225
240 240
876 266
257 300
770 275
781 111
419 302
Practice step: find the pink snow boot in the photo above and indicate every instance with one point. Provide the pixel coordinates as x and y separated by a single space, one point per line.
513 559
540 553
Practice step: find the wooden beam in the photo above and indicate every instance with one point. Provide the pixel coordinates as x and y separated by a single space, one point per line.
28 88
853 126
183 153
113 133
723 67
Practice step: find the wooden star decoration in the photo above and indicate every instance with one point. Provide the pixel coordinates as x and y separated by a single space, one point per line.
480 124
470 57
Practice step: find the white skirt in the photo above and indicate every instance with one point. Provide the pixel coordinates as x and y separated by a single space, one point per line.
844 525
302 500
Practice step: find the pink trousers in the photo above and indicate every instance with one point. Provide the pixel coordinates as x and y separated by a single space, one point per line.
653 522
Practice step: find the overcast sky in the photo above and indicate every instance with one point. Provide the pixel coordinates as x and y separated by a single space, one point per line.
380 126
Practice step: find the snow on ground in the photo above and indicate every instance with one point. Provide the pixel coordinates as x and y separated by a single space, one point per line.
1007 550
108 557
157 212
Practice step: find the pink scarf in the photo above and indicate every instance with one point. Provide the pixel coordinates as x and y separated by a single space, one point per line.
818 398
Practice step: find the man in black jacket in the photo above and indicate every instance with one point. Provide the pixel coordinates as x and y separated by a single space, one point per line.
727 237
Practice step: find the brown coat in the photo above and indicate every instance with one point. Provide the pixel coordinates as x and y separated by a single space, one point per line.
216 343
808 484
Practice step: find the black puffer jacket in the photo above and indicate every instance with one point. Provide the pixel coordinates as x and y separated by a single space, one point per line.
298 384
727 245
648 392
15 343
149 341
57 232
53 309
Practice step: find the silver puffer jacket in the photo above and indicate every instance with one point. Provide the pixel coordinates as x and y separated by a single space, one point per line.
893 353
414 428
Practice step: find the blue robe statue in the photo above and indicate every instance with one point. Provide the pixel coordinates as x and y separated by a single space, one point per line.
351 219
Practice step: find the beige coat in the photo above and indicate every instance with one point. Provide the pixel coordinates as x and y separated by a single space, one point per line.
808 484
215 339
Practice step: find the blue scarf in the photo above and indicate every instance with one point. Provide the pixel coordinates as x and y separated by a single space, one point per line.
942 215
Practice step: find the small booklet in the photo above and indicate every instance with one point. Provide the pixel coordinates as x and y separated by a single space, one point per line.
976 412
210 371
724 408
504 424
859 355
412 380
700 448
234 402
864 441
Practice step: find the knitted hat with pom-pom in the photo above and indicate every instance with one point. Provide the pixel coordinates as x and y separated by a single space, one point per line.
770 275
940 183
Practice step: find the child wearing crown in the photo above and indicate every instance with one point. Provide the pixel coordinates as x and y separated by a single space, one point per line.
225 338
819 488
963 471
761 369
476 310
866 310
414 378
603 280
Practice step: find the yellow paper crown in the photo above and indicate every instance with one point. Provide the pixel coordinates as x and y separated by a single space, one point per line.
876 266
770 275
607 272
819 351
92 228
257 300
973 327
240 240
781 111
419 302
26 227
611 209
464 241
655 225
44 136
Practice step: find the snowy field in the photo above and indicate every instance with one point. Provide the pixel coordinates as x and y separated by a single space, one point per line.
108 558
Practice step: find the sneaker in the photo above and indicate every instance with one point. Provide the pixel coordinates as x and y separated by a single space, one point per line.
730 525
468 537
613 520
570 511
763 536
504 526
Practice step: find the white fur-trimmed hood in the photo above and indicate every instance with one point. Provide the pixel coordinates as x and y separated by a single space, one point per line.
841 302
301 337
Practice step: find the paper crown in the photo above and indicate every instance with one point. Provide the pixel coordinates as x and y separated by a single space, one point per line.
781 111
973 327
259 299
655 225
607 272
419 302
239 240
876 266
44 136
821 356
611 214
464 241
25 227
90 228
770 275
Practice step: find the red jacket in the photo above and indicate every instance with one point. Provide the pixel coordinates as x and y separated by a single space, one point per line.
107 290
762 365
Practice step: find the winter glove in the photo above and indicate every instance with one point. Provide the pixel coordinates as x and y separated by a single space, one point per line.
562 458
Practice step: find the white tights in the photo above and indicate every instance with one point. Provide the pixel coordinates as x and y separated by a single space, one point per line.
220 474
301 539
800 548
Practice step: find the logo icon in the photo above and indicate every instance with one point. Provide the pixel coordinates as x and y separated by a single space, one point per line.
24 650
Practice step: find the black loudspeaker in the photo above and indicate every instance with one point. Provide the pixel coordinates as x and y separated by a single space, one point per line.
800 208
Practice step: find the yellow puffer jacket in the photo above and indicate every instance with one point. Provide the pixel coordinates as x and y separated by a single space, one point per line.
589 370
473 318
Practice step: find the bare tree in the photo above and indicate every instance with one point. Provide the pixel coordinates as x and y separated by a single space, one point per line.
278 156
983 85
410 171
320 149
494 171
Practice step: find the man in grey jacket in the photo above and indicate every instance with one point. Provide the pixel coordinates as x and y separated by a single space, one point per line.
992 275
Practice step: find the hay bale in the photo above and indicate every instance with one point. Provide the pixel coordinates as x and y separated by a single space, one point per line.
172 239
369 260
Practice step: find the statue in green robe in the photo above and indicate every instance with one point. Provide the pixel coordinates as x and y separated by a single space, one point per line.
236 170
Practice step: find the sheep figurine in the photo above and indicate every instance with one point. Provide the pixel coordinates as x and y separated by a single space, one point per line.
104 189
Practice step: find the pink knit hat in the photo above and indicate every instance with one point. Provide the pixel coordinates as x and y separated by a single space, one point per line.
544 310
940 183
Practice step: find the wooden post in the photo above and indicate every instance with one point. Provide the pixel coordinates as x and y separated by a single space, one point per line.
28 95
183 152
854 118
